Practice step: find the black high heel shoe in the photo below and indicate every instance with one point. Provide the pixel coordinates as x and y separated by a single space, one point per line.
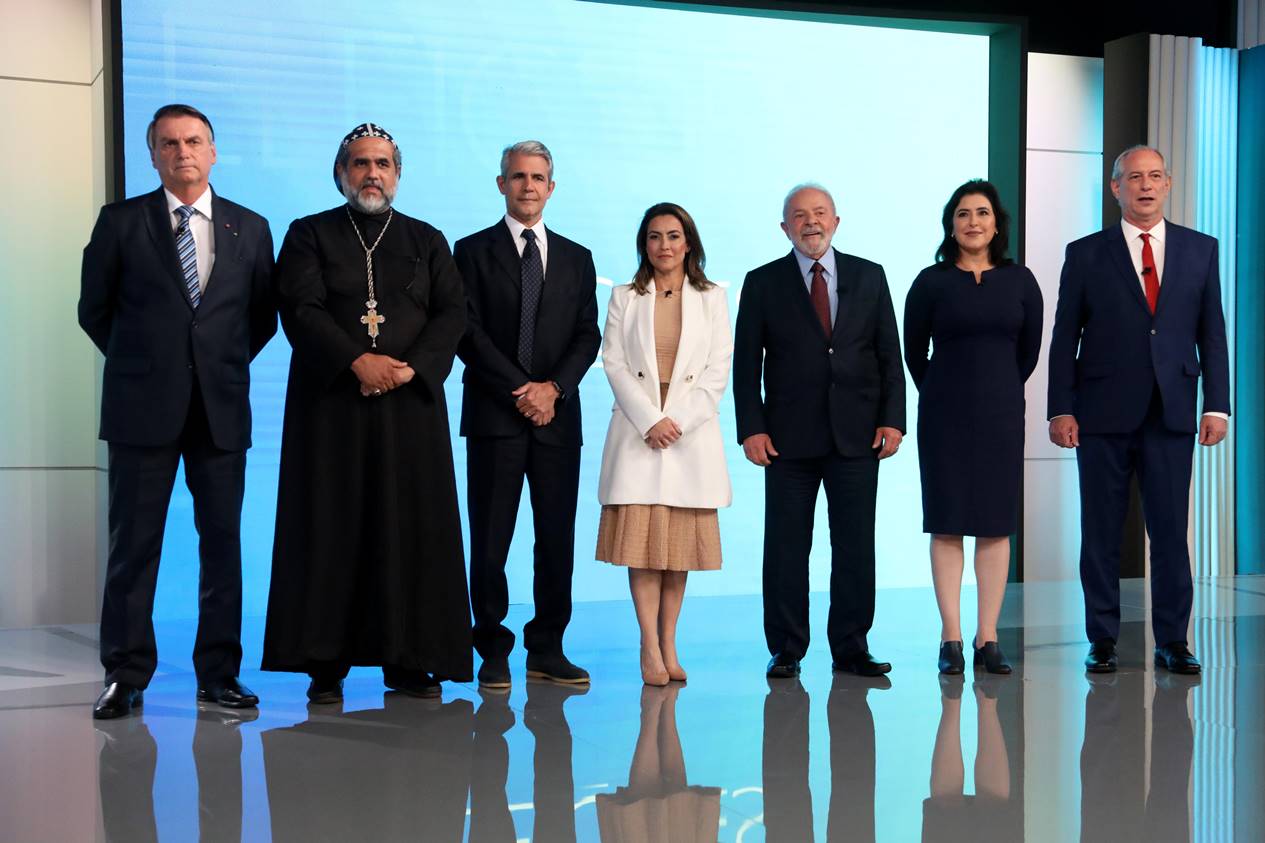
991 658
952 662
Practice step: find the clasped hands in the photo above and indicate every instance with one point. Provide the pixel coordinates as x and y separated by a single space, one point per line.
535 400
379 373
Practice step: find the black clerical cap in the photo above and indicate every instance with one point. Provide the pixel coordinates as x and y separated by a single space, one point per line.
364 130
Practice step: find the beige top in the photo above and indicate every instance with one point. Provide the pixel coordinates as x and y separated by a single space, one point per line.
667 336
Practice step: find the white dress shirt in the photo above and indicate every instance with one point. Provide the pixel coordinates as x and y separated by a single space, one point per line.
542 242
201 228
827 262
1133 239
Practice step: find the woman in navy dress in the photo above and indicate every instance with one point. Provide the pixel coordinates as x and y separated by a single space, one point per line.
980 313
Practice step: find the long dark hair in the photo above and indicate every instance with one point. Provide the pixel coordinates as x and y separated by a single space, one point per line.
949 251
695 258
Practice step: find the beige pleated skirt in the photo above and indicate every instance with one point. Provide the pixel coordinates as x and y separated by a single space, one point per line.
660 538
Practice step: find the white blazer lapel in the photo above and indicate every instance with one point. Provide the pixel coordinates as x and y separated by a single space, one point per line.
645 337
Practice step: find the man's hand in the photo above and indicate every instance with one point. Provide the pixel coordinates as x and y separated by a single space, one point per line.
535 400
377 373
1065 432
663 434
401 374
889 438
759 449
1212 429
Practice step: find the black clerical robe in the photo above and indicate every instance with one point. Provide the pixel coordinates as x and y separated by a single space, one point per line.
367 565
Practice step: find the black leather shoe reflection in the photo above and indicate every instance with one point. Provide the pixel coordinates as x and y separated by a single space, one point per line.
125 776
397 772
217 758
995 810
658 804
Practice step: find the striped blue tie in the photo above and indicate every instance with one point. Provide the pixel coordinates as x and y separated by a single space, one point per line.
188 252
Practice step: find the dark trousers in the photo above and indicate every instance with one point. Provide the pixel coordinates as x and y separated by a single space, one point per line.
496 467
790 498
140 482
1161 459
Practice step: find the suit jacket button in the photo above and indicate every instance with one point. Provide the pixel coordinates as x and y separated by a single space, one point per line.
830 350
640 375
689 378
1152 332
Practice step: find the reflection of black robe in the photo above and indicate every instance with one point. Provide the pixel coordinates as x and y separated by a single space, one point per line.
401 772
367 565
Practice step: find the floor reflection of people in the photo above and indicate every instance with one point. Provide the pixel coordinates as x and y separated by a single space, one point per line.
217 758
125 776
1115 802
990 813
400 772
788 802
659 804
490 820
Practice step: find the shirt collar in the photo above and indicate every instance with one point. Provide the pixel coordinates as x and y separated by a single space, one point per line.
517 229
827 262
1132 232
202 204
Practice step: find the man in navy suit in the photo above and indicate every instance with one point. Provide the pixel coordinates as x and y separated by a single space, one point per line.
531 335
1138 321
818 327
176 291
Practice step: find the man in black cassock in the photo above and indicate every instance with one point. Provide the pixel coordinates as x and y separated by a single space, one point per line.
367 565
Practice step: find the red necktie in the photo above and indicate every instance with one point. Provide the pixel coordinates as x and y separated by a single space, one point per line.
1150 278
820 298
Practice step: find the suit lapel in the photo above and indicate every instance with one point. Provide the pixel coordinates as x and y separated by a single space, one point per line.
505 253
160 231
645 335
1124 264
1173 256
844 293
226 243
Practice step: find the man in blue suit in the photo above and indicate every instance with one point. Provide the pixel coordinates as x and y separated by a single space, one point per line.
176 292
1138 321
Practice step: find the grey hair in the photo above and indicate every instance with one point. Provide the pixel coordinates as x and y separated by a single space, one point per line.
1117 169
344 155
807 185
527 147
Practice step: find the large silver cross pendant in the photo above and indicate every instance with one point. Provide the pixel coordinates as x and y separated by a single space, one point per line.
372 319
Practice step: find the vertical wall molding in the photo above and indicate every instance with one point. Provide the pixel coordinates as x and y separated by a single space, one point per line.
1251 24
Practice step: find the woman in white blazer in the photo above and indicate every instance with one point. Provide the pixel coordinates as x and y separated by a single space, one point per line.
666 350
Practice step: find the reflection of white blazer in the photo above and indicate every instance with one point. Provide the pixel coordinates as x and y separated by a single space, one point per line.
690 472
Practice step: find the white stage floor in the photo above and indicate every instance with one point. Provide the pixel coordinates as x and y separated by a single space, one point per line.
1045 754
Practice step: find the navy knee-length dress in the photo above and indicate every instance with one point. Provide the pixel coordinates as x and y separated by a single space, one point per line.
984 339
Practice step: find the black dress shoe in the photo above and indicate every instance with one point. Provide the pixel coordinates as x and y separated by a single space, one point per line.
117 700
555 668
952 662
1102 657
991 658
782 666
227 692
494 673
414 683
1177 658
863 664
322 691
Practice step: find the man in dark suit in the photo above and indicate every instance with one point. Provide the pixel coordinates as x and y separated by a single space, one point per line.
531 334
818 326
1138 321
177 293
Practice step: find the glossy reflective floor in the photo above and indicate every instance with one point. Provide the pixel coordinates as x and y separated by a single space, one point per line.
1045 754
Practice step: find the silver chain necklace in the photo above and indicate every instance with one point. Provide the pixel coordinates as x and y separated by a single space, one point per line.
372 319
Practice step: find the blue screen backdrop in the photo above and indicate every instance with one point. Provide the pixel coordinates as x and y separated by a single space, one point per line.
719 111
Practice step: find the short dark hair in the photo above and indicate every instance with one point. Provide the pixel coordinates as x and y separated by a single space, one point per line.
695 259
949 251
176 110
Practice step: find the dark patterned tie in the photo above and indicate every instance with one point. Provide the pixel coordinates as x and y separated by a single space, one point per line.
820 297
1150 277
533 277
188 252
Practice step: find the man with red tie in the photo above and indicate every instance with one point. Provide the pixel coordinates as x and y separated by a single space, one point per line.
1138 321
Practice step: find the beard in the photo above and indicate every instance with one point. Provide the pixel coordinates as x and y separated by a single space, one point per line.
367 204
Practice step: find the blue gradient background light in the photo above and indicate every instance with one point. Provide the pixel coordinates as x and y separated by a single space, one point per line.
721 112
